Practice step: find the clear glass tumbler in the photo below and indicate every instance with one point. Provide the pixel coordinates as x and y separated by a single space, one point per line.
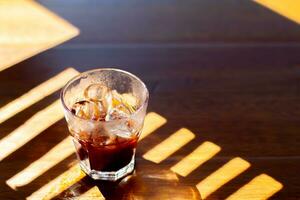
105 149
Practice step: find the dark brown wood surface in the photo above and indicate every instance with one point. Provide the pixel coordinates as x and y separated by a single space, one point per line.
228 71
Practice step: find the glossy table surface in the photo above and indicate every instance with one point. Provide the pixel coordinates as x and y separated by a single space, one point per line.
223 118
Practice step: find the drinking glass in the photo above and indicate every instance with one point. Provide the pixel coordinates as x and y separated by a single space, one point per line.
106 149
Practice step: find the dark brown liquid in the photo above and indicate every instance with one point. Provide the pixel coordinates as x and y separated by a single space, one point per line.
110 157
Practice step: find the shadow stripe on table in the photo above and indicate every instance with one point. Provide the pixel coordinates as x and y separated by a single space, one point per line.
36 94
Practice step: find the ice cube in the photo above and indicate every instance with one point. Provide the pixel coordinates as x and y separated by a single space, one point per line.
131 125
125 109
89 110
118 102
115 114
85 136
130 99
111 105
116 98
103 140
95 92
123 133
121 129
110 141
79 108
107 102
99 111
99 140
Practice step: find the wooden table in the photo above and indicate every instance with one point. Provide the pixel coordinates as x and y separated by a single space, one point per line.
226 75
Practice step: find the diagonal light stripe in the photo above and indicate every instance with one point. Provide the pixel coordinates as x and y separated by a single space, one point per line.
261 187
152 122
169 145
287 8
27 28
92 194
200 155
223 175
58 153
31 128
59 184
36 94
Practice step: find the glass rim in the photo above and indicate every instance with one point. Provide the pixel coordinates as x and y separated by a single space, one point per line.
62 92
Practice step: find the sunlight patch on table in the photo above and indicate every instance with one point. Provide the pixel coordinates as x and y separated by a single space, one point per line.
261 187
59 184
287 8
152 122
30 129
169 145
28 28
92 194
55 155
221 176
199 156
36 94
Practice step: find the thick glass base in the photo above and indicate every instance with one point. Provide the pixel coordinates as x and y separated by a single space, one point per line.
109 176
